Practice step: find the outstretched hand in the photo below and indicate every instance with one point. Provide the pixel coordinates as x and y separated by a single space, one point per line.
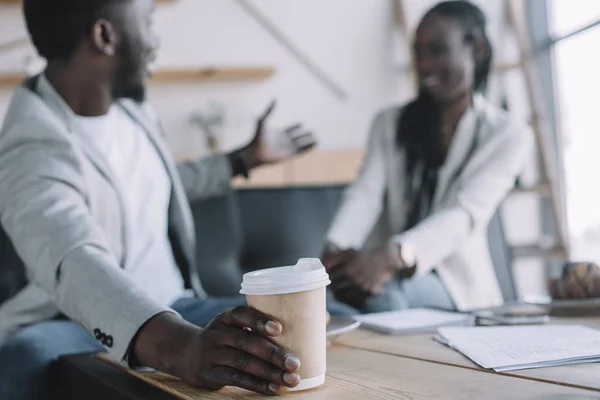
262 152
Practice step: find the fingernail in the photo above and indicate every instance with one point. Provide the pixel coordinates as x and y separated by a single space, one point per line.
291 379
273 328
292 363
274 388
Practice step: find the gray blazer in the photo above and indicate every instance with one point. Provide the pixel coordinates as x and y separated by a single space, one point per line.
63 211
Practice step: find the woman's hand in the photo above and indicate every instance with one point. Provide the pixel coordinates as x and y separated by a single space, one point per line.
333 258
361 277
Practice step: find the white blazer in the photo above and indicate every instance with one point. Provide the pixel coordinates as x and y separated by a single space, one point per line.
491 148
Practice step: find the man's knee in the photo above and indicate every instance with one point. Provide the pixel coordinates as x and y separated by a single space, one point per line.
27 356
25 361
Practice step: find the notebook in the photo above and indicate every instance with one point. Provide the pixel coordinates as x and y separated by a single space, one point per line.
511 348
413 321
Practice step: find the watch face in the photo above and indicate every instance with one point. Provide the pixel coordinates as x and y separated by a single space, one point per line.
408 254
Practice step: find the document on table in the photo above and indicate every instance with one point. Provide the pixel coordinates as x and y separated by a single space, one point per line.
511 348
413 320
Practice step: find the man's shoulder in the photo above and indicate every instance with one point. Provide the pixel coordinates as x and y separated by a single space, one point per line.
29 118
36 138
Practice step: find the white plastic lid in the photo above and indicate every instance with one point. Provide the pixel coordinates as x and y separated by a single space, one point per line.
307 274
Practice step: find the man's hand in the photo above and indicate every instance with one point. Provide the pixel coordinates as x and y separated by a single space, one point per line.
261 152
235 349
362 277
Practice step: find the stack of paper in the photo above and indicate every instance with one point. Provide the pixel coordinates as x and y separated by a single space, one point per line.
413 321
510 348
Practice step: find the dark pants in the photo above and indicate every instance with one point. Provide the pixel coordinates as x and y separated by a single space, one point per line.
26 357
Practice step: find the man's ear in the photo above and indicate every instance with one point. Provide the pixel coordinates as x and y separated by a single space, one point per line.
104 37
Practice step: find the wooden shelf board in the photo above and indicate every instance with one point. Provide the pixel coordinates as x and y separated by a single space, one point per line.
13 44
542 189
11 79
217 74
538 251
180 75
315 168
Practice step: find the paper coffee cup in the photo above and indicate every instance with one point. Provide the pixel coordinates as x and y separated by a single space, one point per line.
295 296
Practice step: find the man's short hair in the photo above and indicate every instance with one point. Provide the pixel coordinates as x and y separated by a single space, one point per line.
56 27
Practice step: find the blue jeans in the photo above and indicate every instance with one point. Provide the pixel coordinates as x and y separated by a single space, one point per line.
426 291
26 357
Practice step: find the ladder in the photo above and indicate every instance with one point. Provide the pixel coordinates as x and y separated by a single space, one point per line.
556 248
548 186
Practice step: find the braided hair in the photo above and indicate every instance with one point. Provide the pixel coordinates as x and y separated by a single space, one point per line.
419 127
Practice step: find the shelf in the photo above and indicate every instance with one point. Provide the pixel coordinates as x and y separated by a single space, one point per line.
180 75
315 168
212 74
538 251
542 189
11 79
13 44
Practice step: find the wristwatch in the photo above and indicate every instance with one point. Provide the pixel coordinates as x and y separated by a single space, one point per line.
240 163
403 256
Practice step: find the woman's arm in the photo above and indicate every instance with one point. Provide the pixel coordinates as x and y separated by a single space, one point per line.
490 176
362 202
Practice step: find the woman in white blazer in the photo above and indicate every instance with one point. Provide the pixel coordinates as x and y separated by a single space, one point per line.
411 231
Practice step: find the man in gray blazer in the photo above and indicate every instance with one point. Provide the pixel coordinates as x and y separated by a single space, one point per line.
98 212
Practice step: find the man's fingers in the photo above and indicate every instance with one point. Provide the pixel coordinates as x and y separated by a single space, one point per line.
242 317
268 112
261 348
229 376
256 367
304 142
290 129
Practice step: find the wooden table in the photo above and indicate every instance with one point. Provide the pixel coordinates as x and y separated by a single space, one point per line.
365 365
424 348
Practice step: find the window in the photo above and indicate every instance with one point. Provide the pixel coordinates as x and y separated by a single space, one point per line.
570 15
577 98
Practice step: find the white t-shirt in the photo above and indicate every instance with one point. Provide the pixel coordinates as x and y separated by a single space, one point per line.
140 171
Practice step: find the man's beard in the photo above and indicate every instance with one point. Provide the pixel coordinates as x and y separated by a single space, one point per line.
130 90
128 81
